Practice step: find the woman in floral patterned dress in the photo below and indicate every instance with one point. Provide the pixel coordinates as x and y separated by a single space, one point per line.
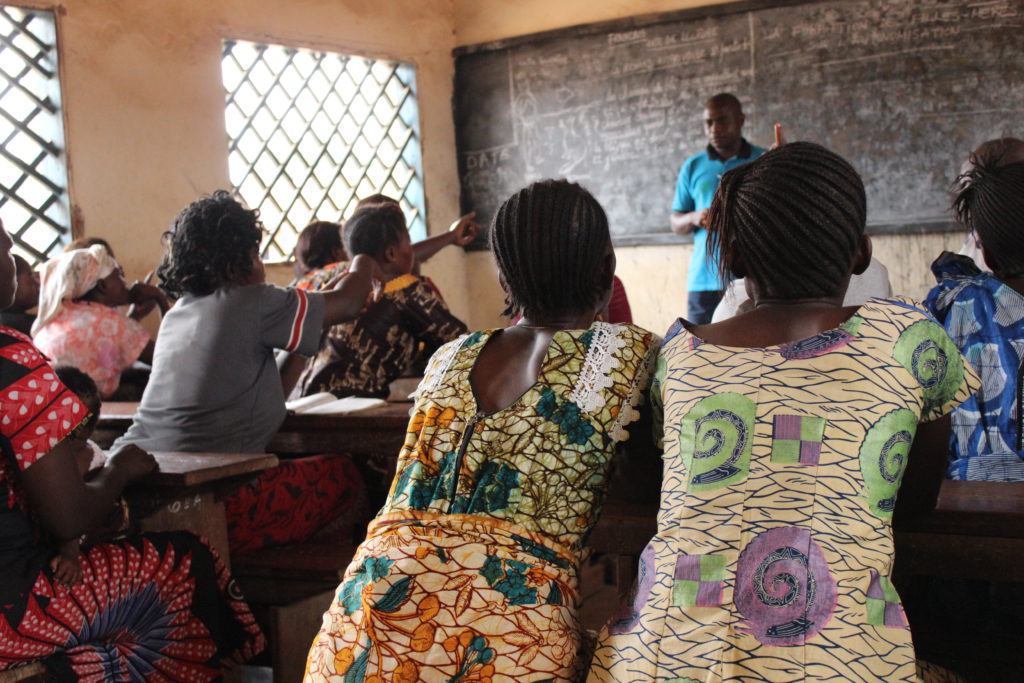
469 571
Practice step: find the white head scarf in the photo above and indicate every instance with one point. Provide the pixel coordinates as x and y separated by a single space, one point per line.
68 277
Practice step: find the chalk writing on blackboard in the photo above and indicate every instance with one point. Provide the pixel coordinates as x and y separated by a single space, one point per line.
902 88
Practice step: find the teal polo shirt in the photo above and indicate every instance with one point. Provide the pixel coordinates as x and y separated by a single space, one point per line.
695 188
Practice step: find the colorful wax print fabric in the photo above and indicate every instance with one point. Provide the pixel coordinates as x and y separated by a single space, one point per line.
152 607
469 571
363 357
986 320
774 549
318 279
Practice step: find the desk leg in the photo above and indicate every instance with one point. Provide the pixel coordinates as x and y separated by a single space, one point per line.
197 512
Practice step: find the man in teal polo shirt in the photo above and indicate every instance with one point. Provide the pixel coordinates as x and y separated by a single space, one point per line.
698 180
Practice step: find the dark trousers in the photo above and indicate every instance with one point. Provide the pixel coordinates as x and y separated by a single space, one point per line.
701 305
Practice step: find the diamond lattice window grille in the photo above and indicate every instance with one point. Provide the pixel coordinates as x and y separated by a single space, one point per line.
33 169
313 132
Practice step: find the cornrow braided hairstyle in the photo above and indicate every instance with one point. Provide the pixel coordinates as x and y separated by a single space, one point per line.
373 229
989 200
550 240
211 237
795 215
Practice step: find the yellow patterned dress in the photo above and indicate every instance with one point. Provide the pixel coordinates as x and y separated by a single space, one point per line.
774 551
469 571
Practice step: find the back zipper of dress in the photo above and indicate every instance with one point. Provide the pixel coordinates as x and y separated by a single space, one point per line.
466 436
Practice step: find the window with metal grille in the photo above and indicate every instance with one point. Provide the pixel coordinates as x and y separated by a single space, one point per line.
313 132
33 169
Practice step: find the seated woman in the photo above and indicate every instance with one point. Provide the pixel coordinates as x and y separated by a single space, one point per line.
320 252
319 255
411 320
214 385
787 433
470 569
984 314
154 603
79 323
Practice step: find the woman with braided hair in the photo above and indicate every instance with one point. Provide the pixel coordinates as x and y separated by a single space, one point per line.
469 572
787 432
984 313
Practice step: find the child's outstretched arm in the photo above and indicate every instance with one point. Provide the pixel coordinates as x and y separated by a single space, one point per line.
462 232
359 286
65 565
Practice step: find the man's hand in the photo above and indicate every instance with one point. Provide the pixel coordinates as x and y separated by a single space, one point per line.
684 223
780 139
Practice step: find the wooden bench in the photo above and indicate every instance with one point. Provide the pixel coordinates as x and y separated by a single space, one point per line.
373 437
289 588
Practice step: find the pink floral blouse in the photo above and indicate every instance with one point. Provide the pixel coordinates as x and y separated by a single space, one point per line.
98 340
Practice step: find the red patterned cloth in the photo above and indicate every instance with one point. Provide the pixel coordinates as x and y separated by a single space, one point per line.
153 607
321 495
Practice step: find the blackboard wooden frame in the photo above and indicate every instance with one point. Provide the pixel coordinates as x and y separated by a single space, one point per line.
661 235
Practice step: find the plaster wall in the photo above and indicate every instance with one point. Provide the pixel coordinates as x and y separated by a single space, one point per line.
144 105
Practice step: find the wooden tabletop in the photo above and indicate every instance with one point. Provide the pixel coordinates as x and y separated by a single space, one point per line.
376 430
192 469
119 414
114 413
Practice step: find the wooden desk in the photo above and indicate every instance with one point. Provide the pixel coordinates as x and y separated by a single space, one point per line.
115 419
373 436
188 491
366 431
975 532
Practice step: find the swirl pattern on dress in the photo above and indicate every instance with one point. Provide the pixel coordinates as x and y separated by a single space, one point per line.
815 346
720 428
928 363
883 459
784 589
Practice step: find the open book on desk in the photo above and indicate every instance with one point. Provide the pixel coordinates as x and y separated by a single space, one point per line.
328 404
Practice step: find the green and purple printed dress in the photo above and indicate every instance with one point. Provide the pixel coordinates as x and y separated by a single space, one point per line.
469 571
774 551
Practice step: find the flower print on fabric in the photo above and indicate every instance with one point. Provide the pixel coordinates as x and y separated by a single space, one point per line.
567 416
486 520
98 340
372 569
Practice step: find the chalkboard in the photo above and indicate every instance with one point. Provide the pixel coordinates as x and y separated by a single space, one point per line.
902 88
